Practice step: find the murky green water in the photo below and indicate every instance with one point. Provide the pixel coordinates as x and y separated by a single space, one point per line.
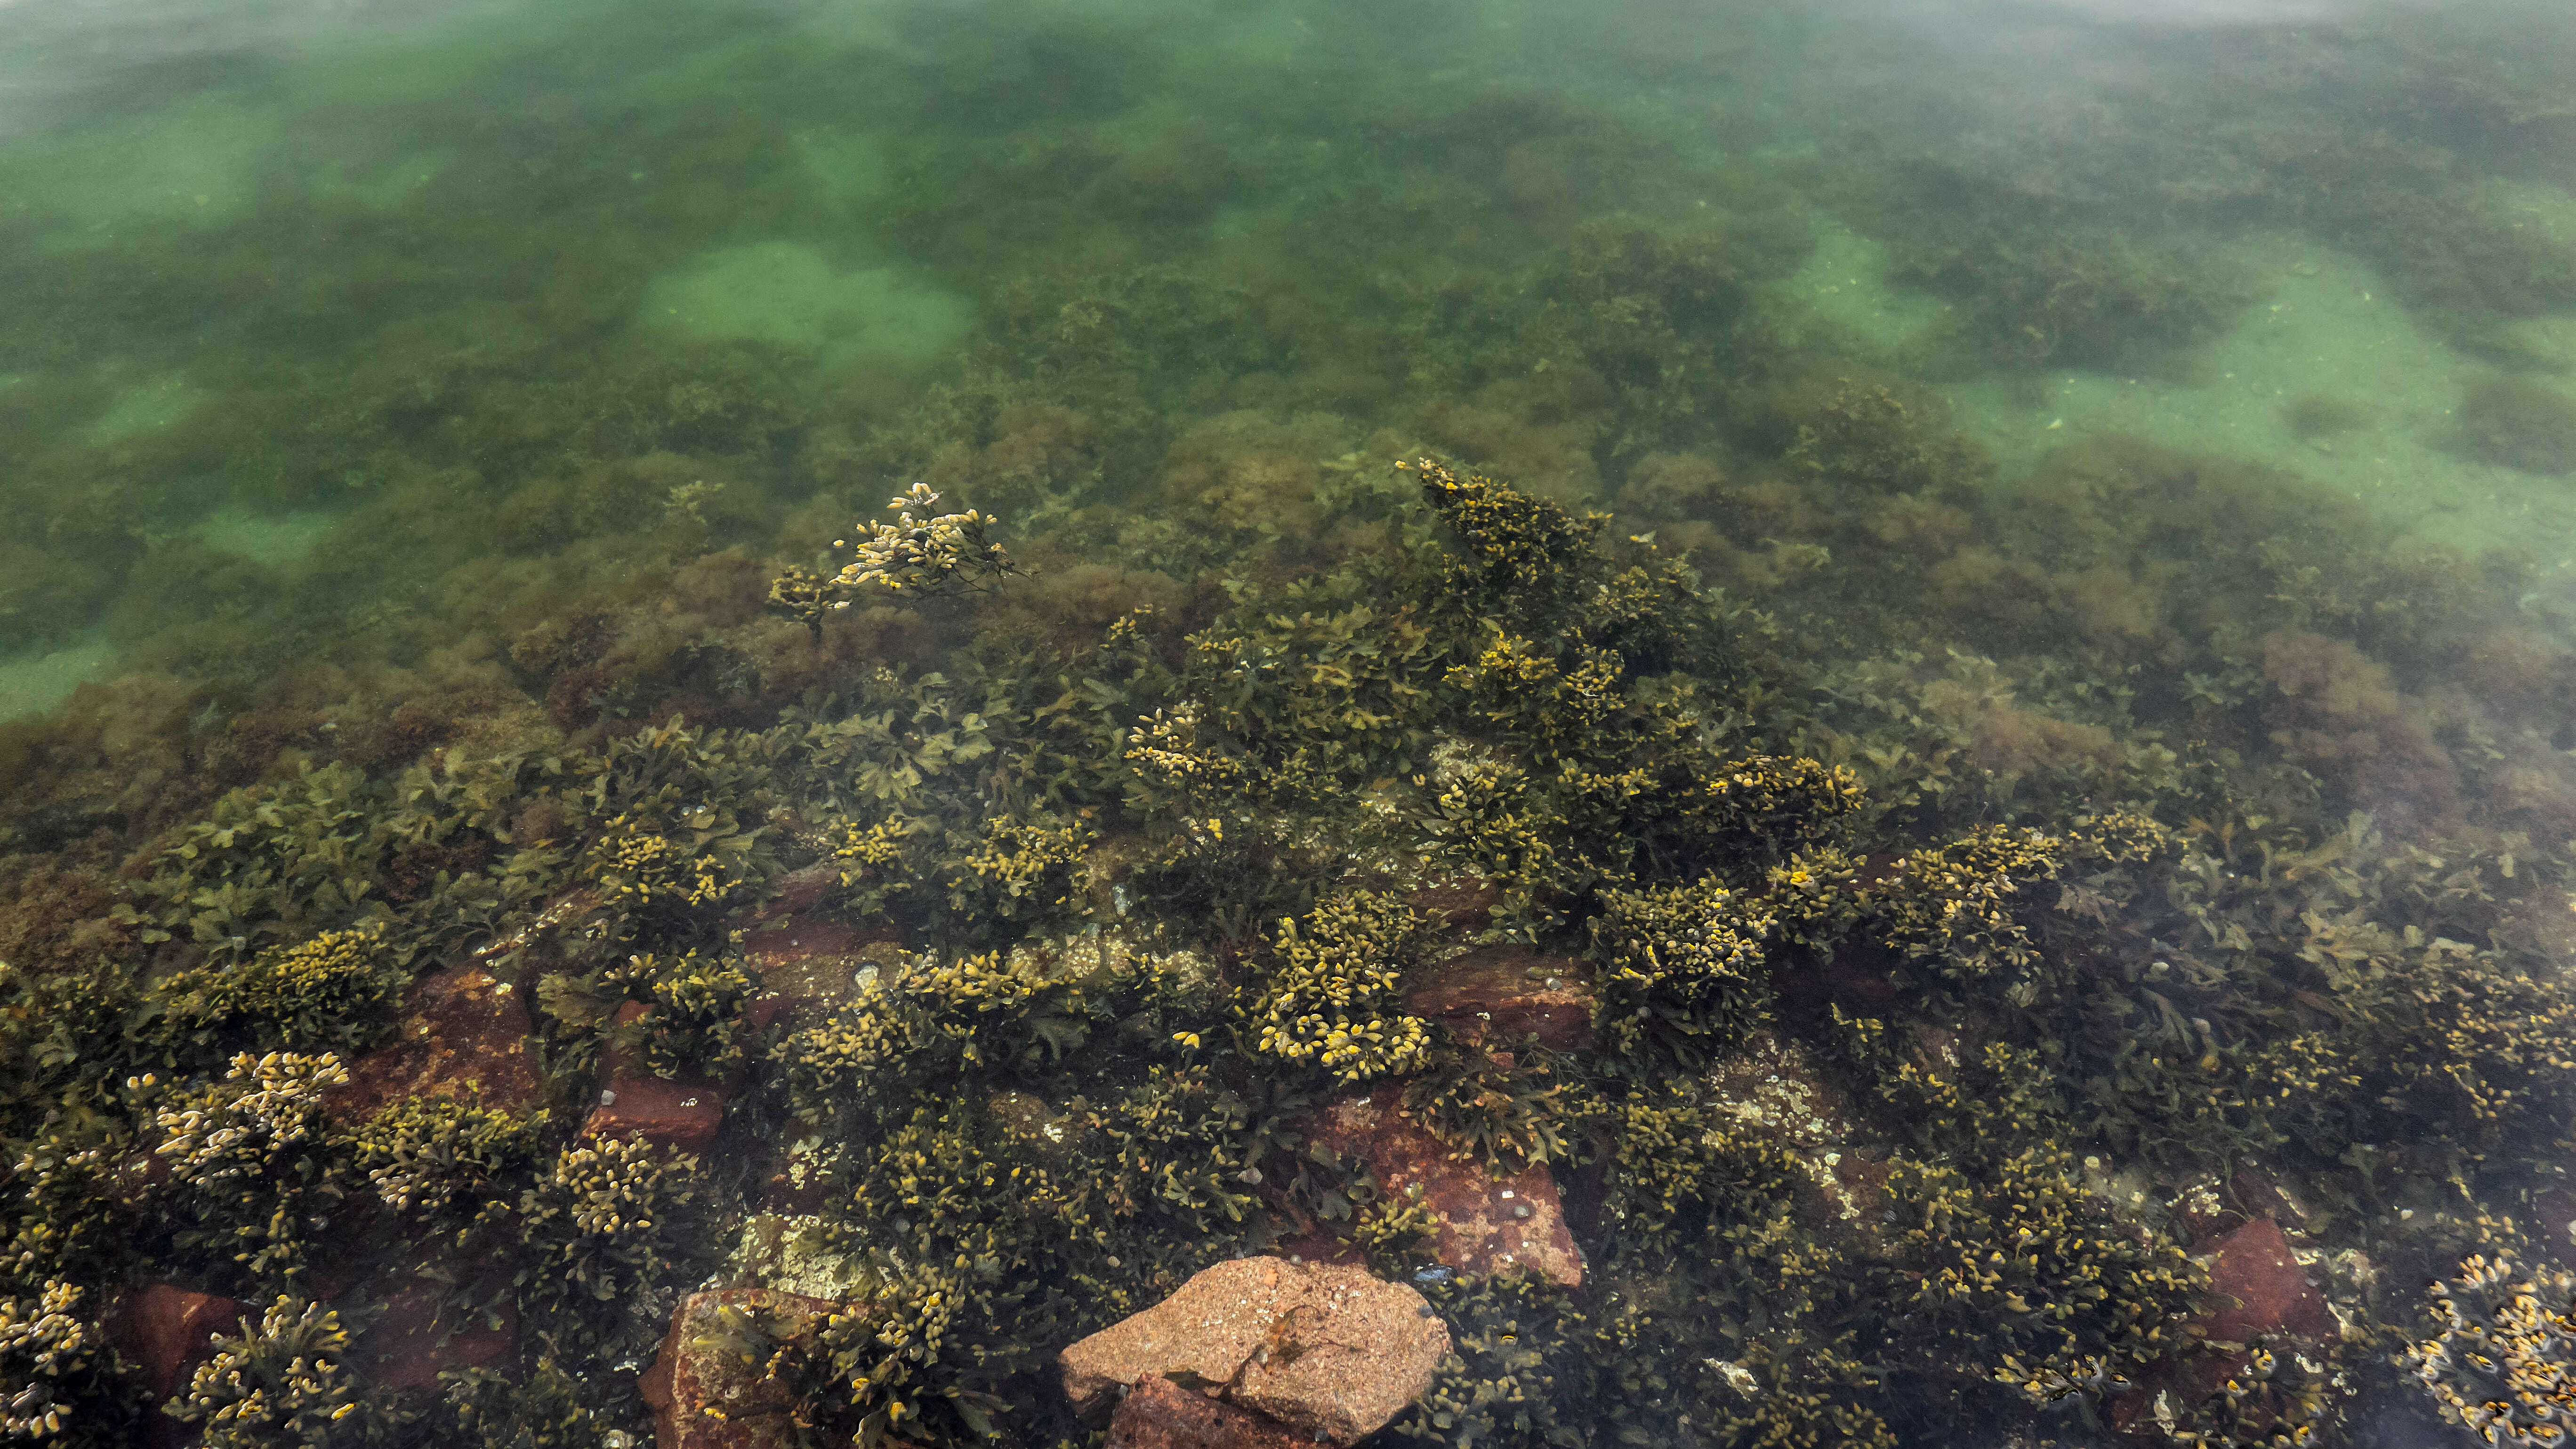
2052 414
269 265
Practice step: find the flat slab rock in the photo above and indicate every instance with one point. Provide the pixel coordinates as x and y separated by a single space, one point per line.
1482 1229
462 1031
2259 1289
701 1401
1327 1351
679 1116
1503 993
682 1114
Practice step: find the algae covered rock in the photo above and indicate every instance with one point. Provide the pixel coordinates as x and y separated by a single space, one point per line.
706 1391
461 1031
1484 1220
1326 1350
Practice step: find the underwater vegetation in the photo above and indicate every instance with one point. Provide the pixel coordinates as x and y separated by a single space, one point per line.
633 856
2499 1367
2077 965
2513 422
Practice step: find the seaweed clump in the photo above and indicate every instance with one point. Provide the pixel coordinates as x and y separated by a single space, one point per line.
254 1154
284 1380
2516 423
443 1157
606 1218
1684 963
1333 997
326 993
2504 1364
60 1382
918 556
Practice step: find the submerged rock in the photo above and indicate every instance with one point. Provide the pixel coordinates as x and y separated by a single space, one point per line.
1488 1224
682 1113
1329 1352
461 1032
2265 1327
1504 993
1159 1414
166 1332
2258 1289
702 1399
410 1346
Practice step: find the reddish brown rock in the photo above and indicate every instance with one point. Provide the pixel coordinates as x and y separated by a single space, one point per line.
166 1332
1326 1351
461 1031
683 1112
804 956
1483 1226
682 1116
2257 1288
799 892
1503 993
701 1400
1159 1414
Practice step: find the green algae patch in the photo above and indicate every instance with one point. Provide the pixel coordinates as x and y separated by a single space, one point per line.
791 294
2515 423
1848 300
146 407
38 679
274 539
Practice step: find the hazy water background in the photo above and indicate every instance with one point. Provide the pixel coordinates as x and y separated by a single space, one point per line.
204 203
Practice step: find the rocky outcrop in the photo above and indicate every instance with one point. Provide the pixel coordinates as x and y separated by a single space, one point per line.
703 1400
1499 994
1488 1224
1328 1352
462 1032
